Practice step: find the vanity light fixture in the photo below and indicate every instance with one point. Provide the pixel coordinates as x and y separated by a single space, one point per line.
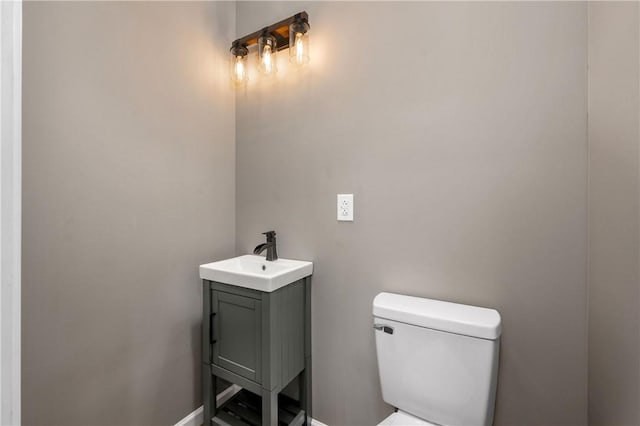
291 33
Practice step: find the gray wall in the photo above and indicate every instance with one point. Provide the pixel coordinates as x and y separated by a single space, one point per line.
614 299
465 147
461 130
128 186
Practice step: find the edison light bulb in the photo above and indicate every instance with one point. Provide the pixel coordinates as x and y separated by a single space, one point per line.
299 48
267 54
266 60
238 65
299 42
239 68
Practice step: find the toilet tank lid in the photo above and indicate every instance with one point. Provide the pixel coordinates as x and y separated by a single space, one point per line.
450 317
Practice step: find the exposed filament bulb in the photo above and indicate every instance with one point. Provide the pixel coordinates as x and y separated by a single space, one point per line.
267 59
299 41
239 69
299 47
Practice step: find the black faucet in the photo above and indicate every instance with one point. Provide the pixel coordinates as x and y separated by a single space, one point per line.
270 246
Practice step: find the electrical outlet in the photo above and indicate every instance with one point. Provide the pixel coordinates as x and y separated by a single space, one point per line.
345 207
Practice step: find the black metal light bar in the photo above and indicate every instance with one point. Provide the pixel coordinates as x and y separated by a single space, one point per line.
279 30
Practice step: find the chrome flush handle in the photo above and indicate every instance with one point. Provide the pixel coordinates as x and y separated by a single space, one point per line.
382 327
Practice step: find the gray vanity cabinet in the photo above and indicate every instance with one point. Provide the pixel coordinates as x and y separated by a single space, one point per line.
260 341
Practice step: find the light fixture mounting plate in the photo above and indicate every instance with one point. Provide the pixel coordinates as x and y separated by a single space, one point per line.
279 30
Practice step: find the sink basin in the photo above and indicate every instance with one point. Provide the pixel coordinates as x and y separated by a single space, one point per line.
254 272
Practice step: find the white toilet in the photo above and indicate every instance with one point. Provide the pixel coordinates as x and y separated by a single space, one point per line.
438 361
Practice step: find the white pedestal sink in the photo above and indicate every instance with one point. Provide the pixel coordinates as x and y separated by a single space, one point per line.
255 272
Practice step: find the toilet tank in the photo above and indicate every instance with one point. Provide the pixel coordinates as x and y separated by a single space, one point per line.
437 360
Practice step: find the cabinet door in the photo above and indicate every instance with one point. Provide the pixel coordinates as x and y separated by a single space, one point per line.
236 332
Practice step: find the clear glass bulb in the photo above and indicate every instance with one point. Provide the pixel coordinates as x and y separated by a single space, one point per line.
299 42
239 69
299 49
238 65
267 48
267 60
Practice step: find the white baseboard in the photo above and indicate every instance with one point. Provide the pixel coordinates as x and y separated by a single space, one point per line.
226 394
195 418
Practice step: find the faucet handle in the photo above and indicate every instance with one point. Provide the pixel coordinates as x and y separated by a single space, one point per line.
270 235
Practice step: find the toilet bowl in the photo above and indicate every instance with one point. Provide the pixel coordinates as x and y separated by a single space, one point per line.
438 361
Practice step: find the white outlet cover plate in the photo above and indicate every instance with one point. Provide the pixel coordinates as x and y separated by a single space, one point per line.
345 207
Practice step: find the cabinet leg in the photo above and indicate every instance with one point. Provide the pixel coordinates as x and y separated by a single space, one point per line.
269 408
208 395
305 390
214 395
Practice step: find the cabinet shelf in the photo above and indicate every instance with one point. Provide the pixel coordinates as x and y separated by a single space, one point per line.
243 409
